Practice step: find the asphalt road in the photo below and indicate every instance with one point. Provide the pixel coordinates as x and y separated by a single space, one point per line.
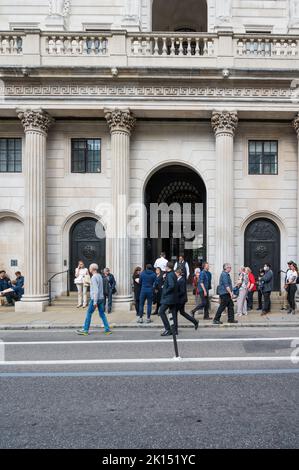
231 389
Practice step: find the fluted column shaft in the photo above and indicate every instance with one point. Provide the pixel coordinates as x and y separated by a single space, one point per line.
121 124
224 125
296 127
36 124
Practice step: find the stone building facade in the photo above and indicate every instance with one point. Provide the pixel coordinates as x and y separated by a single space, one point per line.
148 101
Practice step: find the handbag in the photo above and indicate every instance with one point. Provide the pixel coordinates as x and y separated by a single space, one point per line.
236 291
86 280
218 290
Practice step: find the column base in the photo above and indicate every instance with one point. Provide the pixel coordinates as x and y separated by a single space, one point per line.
122 304
30 306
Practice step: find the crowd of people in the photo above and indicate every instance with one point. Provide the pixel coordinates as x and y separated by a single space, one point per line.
11 290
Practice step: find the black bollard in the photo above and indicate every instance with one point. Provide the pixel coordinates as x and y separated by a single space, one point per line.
175 343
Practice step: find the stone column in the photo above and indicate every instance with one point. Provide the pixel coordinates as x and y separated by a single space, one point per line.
224 124
296 127
36 124
121 123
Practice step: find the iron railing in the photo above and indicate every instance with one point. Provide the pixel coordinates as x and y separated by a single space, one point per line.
49 283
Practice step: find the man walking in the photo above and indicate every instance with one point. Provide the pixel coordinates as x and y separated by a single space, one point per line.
147 282
169 299
182 299
266 288
204 285
96 301
225 290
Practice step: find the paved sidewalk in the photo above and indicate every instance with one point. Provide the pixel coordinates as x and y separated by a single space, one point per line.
71 317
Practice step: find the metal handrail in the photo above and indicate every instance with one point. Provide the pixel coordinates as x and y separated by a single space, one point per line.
49 283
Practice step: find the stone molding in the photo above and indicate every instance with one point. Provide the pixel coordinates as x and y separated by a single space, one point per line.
61 7
35 120
120 120
224 122
296 125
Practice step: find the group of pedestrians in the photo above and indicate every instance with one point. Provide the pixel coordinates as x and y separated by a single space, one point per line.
12 290
83 284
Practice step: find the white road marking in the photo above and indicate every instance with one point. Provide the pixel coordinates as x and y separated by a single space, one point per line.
150 360
140 341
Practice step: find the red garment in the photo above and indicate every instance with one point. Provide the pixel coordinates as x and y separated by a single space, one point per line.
195 285
252 281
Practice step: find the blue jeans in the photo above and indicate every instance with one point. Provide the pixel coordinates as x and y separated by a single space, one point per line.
101 313
146 295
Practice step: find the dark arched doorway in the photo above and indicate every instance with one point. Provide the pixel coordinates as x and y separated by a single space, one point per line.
262 245
176 184
178 15
86 246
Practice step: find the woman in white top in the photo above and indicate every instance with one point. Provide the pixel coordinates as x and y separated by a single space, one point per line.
243 284
291 287
80 274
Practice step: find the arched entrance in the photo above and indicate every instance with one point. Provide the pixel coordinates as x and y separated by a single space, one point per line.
180 185
262 245
178 15
86 246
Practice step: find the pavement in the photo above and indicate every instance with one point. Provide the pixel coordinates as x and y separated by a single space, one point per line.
231 388
68 316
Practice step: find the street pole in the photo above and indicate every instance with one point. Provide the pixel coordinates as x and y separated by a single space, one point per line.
175 344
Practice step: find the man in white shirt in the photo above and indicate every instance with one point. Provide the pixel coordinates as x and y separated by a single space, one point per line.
161 262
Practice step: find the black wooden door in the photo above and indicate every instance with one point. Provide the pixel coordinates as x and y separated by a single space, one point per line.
262 245
86 246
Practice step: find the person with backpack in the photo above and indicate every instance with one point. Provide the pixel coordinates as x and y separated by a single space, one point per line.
183 266
147 281
291 287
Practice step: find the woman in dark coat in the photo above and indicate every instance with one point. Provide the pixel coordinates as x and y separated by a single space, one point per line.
136 287
158 290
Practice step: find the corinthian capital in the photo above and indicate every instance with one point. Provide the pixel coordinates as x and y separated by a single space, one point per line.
35 120
224 122
120 120
296 124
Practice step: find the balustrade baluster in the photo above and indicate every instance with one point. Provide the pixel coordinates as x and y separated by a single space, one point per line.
205 46
267 48
100 45
148 47
189 47
181 47
197 49
84 45
172 48
156 48
164 48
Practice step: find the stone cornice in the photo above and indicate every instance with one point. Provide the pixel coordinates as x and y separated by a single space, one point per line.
224 122
35 120
120 120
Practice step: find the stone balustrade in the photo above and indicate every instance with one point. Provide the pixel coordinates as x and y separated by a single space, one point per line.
11 44
77 45
266 46
173 44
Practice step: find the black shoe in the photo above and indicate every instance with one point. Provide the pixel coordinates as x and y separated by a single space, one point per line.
166 333
232 321
207 318
196 325
258 309
217 322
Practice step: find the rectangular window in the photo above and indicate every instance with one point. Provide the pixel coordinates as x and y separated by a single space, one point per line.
10 155
86 156
263 157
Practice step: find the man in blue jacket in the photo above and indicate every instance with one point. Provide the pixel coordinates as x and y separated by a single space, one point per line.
147 282
225 291
169 299
204 285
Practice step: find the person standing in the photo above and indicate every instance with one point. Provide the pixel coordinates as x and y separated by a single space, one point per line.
285 304
136 287
183 266
251 288
225 291
195 286
147 284
161 262
204 285
5 284
112 288
266 288
243 283
96 301
182 299
291 287
158 290
80 274
169 299
259 289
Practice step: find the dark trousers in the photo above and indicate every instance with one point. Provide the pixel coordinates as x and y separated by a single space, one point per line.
267 302
180 308
250 299
204 304
137 305
260 299
292 289
146 295
162 313
225 302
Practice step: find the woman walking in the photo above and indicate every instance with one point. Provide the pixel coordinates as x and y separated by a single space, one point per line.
291 287
243 283
136 287
81 274
158 290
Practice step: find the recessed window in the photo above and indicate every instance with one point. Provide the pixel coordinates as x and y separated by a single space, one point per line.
86 156
11 155
263 157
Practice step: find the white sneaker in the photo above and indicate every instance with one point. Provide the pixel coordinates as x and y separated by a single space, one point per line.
139 320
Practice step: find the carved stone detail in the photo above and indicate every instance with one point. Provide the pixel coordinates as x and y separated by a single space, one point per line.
296 124
120 120
59 7
224 122
35 120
